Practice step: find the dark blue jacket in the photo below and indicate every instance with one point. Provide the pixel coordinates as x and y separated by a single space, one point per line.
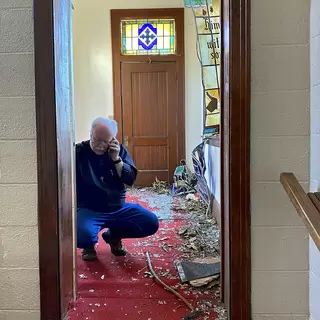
99 187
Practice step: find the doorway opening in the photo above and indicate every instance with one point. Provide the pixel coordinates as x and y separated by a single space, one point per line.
148 54
148 88
158 149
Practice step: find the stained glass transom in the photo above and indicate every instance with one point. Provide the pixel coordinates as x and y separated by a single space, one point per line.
148 37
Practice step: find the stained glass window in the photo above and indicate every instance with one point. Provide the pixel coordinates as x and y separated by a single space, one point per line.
148 37
194 3
207 18
212 111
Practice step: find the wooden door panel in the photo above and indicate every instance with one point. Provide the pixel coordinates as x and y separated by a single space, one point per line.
155 157
149 102
148 96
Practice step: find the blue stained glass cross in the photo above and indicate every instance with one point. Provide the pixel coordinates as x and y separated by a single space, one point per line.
147 36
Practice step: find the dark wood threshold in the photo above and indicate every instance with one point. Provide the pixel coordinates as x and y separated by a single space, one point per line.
307 205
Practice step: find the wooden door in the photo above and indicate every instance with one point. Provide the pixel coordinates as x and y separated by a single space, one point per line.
150 119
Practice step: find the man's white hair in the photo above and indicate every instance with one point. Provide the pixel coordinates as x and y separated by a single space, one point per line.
109 123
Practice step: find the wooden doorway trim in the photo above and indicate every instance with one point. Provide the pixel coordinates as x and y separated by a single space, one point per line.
235 158
50 305
235 148
178 58
52 25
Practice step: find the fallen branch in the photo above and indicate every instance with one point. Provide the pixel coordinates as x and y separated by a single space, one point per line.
142 269
168 288
164 248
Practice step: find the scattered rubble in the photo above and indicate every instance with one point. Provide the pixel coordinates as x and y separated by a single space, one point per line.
201 241
160 187
201 235
221 312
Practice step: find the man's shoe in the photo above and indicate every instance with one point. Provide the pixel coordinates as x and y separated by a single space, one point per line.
89 254
116 246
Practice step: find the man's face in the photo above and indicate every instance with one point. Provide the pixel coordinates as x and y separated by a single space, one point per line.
100 139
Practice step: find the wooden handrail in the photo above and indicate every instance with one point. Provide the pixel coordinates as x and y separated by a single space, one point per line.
304 204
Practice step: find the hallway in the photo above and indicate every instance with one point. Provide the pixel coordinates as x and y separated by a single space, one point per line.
122 288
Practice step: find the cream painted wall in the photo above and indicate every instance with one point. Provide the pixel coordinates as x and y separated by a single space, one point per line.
93 65
19 290
280 142
315 150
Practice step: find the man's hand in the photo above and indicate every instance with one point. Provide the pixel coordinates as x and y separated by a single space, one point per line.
114 149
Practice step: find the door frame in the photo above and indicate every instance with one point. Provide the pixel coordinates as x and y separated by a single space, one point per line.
117 59
235 159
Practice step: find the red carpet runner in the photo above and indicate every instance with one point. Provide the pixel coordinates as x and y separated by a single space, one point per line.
114 288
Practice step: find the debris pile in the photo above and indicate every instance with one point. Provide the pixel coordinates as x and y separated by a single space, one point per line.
201 239
201 233
201 244
160 187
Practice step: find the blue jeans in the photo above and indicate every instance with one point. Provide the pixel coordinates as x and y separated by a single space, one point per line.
131 221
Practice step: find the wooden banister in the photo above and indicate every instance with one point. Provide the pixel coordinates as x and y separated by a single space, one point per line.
308 206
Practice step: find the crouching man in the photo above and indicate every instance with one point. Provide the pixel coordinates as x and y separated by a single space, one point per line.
103 168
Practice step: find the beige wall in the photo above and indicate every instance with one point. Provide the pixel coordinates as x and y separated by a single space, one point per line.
315 150
93 65
280 142
19 289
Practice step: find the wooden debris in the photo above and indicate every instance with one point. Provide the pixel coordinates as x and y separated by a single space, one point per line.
204 281
142 269
164 248
157 279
